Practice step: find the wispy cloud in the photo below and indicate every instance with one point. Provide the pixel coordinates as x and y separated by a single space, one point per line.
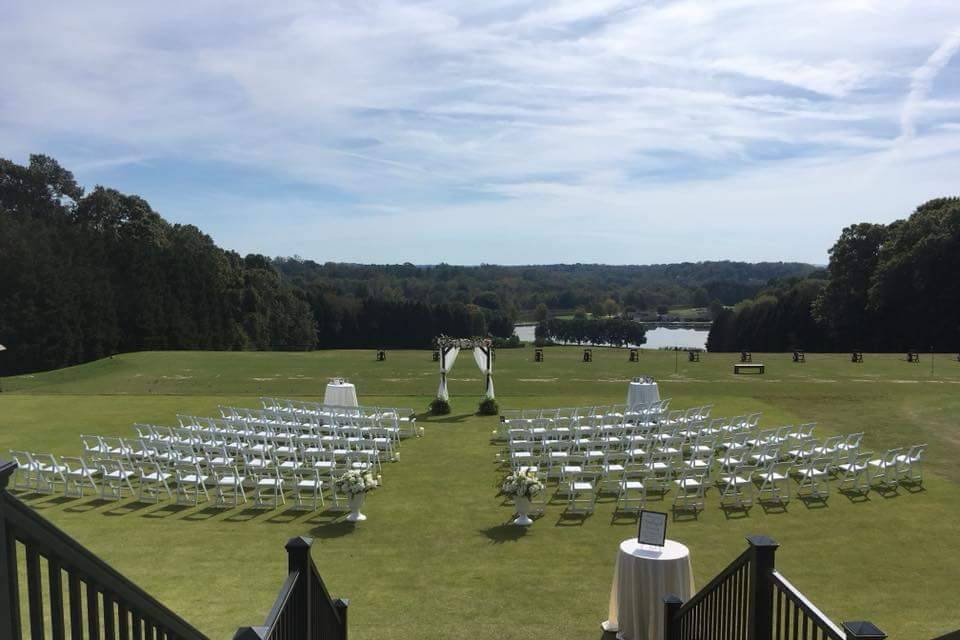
670 129
922 81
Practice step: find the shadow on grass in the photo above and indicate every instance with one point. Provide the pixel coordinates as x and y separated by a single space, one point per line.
815 502
291 514
202 515
426 418
621 518
336 529
735 512
506 532
126 508
166 511
40 504
246 515
568 519
89 505
608 635
685 515
773 506
855 495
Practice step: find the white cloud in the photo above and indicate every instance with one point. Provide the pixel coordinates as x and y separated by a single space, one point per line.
724 127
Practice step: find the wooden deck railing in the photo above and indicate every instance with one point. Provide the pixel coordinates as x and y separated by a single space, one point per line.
81 597
303 609
750 600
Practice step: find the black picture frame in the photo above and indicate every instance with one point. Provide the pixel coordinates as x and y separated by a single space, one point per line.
656 520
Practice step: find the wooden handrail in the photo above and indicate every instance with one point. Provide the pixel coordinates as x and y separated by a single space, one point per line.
731 568
303 610
22 523
820 619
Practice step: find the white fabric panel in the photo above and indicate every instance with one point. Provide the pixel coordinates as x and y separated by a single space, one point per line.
641 578
446 363
480 357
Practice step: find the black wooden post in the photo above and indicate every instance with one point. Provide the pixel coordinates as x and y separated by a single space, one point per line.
250 633
761 589
298 559
671 604
341 604
9 589
862 630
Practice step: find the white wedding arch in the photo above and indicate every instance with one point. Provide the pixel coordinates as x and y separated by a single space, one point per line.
482 354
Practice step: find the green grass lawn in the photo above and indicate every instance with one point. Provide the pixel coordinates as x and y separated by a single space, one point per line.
435 558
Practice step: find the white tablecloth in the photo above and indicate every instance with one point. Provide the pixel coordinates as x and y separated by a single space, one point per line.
642 393
341 395
642 577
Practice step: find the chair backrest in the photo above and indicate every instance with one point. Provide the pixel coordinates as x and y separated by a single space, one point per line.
915 454
74 465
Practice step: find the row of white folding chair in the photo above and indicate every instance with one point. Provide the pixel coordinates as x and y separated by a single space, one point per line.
386 440
581 414
112 479
284 453
290 409
193 481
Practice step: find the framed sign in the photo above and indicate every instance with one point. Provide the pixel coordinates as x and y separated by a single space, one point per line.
653 528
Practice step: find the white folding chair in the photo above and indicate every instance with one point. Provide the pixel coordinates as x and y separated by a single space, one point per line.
774 482
114 478
78 475
269 489
228 485
191 484
154 480
691 487
910 465
50 476
882 472
28 471
308 489
814 476
736 487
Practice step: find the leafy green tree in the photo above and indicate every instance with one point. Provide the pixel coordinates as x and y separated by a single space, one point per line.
541 313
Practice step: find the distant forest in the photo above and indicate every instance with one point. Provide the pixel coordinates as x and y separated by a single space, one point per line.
85 275
890 288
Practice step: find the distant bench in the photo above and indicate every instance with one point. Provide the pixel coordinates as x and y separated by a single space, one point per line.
754 368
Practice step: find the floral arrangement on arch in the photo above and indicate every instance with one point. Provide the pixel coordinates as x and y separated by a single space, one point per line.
354 483
524 484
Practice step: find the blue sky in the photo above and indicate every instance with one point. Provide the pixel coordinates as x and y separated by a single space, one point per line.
504 132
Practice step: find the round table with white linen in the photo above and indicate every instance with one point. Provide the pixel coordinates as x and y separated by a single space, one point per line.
642 393
340 394
642 577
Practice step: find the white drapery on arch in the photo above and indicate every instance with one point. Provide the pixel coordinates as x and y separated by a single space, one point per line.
482 354
484 359
448 355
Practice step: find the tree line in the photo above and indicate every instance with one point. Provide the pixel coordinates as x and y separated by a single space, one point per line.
86 275
887 288
617 332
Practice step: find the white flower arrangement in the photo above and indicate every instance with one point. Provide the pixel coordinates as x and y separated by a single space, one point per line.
353 483
525 484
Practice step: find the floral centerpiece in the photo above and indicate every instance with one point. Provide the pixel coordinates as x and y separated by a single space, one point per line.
522 487
355 485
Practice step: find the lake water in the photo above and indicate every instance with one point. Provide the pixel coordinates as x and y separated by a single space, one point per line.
657 338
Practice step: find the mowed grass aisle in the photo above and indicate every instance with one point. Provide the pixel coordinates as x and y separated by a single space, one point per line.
435 557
